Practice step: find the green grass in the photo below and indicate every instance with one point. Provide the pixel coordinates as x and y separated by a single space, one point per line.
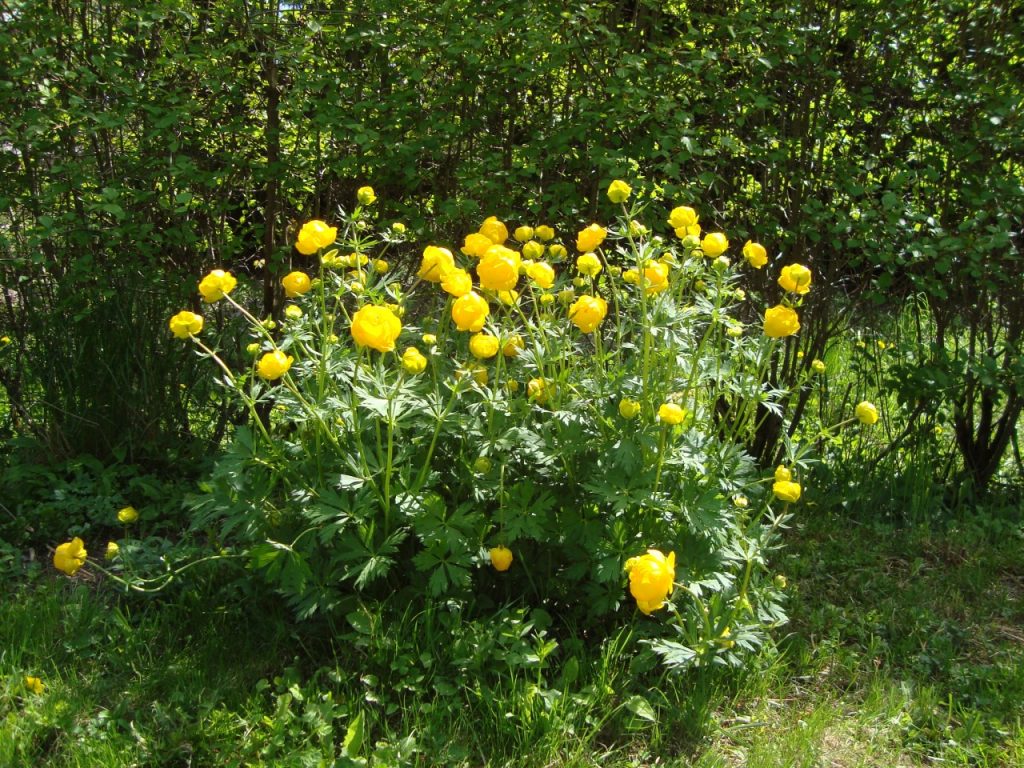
906 648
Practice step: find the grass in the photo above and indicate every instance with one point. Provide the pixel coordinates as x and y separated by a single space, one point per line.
906 649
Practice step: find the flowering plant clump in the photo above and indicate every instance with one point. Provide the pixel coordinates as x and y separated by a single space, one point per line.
561 415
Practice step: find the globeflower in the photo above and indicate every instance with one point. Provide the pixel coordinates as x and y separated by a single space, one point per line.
185 324
780 321
366 196
671 414
34 684
501 558
682 217
513 346
629 409
216 285
655 277
587 312
786 490
538 390
483 346
458 282
544 233
714 244
127 515
470 312
112 550
523 233
498 270
783 473
476 245
295 284
413 361
796 278
557 251
376 327
866 413
495 230
619 191
274 365
315 235
817 366
588 264
755 254
590 238
651 579
541 273
533 250
436 261
70 556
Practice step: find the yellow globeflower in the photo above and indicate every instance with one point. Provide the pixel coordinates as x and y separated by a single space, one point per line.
655 277
476 245
34 684
376 327
587 312
217 285
483 346
590 238
651 579
817 366
470 312
413 361
780 321
631 276
682 217
295 284
541 273
557 251
533 250
714 244
315 235
458 282
513 346
498 270
128 514
866 413
523 233
436 261
185 324
495 230
381 266
589 264
112 550
274 365
786 490
796 278
755 254
501 558
671 414
544 233
366 196
629 409
538 390
619 191
70 556
783 473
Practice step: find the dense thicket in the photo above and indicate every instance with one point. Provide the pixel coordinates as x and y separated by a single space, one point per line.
877 142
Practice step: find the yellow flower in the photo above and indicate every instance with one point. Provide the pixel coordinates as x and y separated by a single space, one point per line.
315 235
629 409
655 277
253 348
274 365
544 233
524 233
295 284
557 251
740 501
216 285
476 372
476 245
185 324
547 299
509 298
672 414
376 327
470 312
796 278
429 339
651 579
381 266
631 276
817 366
538 390
483 346
533 250
498 270
589 264
714 244
689 235
458 282
413 361
619 191
293 311
366 196
755 254
398 227
866 413
541 273
786 490
682 217
501 558
587 312
780 321
34 684
590 238
513 346
70 556
112 550
5 340
128 514
495 230
436 261
783 474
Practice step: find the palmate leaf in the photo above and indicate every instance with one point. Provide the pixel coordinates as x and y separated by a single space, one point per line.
674 655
